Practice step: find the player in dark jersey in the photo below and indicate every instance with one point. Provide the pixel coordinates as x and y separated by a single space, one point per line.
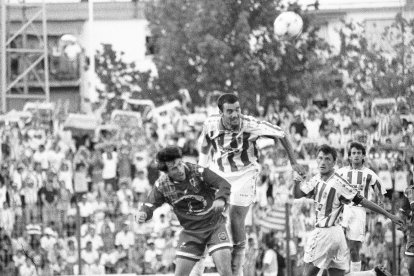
406 212
198 197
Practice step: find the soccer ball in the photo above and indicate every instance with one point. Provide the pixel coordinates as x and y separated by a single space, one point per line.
288 25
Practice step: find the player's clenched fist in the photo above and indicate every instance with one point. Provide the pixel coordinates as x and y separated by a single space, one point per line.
219 205
140 217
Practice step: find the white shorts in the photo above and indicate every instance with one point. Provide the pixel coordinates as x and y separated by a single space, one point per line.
354 220
243 185
327 248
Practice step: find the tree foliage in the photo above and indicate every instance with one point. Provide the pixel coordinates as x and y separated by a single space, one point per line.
384 69
228 45
120 78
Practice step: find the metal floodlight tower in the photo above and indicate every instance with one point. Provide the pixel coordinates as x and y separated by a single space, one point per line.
33 57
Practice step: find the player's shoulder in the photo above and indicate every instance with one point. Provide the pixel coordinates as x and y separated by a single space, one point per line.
343 170
250 120
341 184
314 180
339 179
161 181
368 171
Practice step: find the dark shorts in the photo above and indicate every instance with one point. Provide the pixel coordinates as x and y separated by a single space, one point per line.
192 245
409 247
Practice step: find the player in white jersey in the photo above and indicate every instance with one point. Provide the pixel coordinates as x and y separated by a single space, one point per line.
326 248
354 216
228 147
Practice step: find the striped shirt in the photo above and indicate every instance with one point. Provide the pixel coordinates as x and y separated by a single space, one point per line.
329 197
233 150
362 179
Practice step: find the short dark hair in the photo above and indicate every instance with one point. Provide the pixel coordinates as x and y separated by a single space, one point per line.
328 150
167 154
226 98
358 146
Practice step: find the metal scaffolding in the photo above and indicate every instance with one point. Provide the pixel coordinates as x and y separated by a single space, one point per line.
32 58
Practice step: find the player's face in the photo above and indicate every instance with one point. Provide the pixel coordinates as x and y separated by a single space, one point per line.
231 114
356 156
326 163
176 169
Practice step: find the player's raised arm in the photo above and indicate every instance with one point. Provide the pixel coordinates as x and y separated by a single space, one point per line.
266 129
288 147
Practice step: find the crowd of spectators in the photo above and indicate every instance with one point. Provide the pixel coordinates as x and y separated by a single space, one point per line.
51 179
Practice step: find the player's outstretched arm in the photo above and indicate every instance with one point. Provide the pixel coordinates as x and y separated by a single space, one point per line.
374 207
288 147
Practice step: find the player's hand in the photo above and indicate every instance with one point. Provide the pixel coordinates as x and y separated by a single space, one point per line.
403 228
299 169
141 217
219 205
298 178
398 221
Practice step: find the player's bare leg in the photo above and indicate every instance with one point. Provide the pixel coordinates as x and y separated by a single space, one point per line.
183 266
410 265
222 260
354 249
237 215
198 268
310 270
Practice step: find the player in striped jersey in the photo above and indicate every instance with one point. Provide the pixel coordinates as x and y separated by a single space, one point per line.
326 248
354 216
228 140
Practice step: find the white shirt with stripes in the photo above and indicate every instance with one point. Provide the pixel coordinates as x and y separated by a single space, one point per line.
362 179
329 197
233 150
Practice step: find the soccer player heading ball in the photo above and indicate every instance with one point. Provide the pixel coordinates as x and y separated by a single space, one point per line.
228 147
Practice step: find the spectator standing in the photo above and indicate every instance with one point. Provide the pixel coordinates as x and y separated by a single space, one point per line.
41 157
7 218
313 124
249 268
89 255
140 185
48 199
125 238
29 199
27 269
373 249
297 126
109 170
48 240
270 258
